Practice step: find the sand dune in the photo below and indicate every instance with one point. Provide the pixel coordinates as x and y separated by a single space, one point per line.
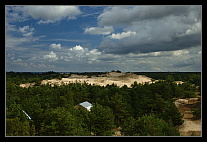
120 79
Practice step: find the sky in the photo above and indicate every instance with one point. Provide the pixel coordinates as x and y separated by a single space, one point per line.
103 38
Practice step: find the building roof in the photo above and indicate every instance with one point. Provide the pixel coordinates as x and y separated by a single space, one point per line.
87 105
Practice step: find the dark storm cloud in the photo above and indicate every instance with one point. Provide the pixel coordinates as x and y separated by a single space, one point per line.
127 15
125 47
157 28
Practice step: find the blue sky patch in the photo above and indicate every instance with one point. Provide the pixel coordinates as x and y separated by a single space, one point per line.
103 38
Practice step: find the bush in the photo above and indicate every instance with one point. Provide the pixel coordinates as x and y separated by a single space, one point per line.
148 125
14 127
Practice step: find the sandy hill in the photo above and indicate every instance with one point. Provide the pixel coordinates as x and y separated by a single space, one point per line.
120 79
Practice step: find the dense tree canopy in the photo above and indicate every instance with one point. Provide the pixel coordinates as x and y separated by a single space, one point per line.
53 112
148 125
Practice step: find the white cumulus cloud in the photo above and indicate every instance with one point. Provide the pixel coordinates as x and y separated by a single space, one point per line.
76 53
106 30
26 30
82 54
51 14
55 46
45 14
122 35
51 56
77 47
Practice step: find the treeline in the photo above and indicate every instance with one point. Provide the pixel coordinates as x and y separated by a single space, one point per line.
143 109
191 77
25 77
29 77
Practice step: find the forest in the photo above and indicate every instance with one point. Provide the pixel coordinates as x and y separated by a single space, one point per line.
140 110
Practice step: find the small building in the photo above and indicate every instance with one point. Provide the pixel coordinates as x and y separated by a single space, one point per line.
86 105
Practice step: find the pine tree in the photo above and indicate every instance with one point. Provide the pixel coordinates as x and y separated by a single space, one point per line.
102 120
14 127
119 108
60 122
128 126
148 125
171 113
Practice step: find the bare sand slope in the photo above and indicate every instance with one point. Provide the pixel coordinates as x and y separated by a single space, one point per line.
190 126
120 79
